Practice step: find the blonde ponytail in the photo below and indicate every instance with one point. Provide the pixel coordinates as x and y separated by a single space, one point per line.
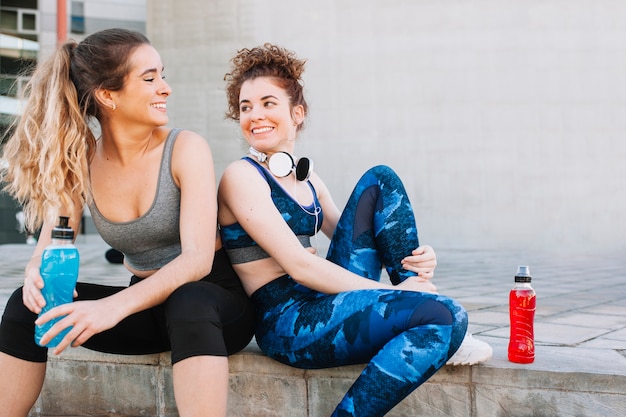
51 144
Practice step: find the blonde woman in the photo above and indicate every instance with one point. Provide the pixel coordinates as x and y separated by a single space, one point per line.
152 194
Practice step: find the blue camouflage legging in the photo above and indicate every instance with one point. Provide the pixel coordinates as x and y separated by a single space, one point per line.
403 336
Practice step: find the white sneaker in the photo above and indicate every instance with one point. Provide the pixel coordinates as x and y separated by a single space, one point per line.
471 352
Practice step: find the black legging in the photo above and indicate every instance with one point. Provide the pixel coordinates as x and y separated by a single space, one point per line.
208 317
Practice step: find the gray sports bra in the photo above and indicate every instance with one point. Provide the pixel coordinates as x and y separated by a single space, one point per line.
152 240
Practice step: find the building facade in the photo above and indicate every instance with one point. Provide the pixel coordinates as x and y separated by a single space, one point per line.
504 118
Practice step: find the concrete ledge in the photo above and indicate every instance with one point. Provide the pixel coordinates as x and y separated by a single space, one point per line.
562 382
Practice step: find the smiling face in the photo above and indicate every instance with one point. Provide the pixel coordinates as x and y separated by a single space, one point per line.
267 119
144 96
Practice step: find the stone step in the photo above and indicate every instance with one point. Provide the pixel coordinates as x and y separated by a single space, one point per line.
563 381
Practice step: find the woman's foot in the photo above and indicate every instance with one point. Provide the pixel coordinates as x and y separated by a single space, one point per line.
471 352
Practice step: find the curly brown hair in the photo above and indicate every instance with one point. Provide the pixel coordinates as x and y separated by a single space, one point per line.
265 61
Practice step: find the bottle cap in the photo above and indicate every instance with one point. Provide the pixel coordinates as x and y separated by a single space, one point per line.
523 274
63 230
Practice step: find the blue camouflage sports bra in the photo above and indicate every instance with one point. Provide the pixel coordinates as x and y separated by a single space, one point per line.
241 248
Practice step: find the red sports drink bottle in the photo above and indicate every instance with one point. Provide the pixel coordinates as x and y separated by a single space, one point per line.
522 315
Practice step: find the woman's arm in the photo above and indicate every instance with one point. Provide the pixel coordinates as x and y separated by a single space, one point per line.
245 194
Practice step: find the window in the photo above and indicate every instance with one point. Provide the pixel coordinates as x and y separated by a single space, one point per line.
18 21
78 17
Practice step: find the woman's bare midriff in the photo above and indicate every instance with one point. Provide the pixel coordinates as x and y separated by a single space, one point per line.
257 273
138 273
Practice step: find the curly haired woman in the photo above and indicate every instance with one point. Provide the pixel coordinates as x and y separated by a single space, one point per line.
315 312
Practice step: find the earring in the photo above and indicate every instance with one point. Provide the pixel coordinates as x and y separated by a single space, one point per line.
113 106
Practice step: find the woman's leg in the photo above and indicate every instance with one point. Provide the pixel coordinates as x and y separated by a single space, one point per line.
405 336
201 386
213 316
377 227
22 362
20 385
207 321
404 363
144 332
199 353
200 382
201 323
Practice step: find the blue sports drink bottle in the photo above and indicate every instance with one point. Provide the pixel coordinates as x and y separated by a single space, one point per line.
59 270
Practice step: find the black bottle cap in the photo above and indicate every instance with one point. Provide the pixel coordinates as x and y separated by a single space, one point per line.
63 230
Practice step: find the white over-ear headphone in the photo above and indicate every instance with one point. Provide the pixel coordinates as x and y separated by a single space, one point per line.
282 164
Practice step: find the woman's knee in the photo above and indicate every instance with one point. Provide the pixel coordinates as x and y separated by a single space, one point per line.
459 323
16 310
458 313
442 311
194 323
17 331
382 171
431 311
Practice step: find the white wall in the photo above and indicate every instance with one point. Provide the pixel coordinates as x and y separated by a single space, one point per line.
505 118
